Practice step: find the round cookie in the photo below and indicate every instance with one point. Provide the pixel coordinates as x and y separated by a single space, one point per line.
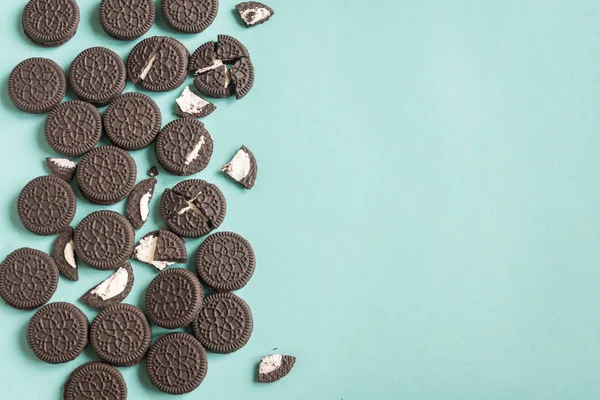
95 380
127 19
174 298
106 175
225 261
28 278
224 324
46 205
58 333
184 147
37 85
50 23
73 128
121 335
104 240
132 121
97 75
190 16
177 363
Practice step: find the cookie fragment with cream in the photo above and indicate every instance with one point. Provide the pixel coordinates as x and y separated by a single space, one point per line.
274 367
254 13
190 105
138 203
62 167
63 253
112 290
242 168
161 249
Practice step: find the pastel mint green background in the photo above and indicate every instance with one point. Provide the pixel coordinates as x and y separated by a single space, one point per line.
426 218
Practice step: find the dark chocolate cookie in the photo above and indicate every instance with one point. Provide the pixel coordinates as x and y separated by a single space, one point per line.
37 85
138 203
97 75
153 171
193 208
127 19
63 253
111 291
215 82
190 16
254 13
177 363
106 175
242 168
46 205
95 380
28 278
132 121
73 128
190 105
242 77
225 261
224 324
160 249
204 58
184 146
58 333
104 240
50 23
121 335
174 298
62 167
274 367
230 50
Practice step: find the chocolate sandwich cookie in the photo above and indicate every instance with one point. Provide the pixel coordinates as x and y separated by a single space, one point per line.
46 205
37 85
106 175
138 203
62 167
121 335
158 64
97 75
63 253
274 367
58 333
184 147
111 291
177 363
104 240
204 58
225 261
230 50
127 19
153 171
224 324
215 83
174 298
95 380
242 168
50 23
242 77
193 208
190 105
254 13
132 121
161 249
73 128
190 16
28 279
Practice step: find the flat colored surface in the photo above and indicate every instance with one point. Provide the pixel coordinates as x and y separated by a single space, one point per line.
426 218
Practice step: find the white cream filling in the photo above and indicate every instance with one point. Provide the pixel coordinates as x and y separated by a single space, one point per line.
113 286
146 250
195 151
69 254
254 15
63 163
190 103
148 67
145 206
215 64
227 78
270 363
239 166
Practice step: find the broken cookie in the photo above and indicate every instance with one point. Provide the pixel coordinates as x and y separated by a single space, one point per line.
62 167
189 104
274 367
138 203
112 290
242 77
161 249
184 147
254 13
204 58
153 171
63 254
242 168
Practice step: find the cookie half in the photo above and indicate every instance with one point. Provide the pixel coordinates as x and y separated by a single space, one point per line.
184 147
190 16
95 380
111 291
190 105
50 23
274 367
127 19
242 168
63 253
73 128
161 249
230 50
216 82
97 75
62 167
138 203
204 58
37 85
254 13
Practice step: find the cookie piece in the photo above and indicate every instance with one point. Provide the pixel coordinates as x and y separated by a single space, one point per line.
132 121
97 75
62 167
215 82
242 168
104 240
111 291
73 128
225 261
274 367
28 278
138 203
177 363
121 335
50 23
106 175
37 85
160 249
174 298
46 205
58 333
190 16
95 380
63 253
193 208
254 13
158 64
184 147
230 50
242 77
204 58
127 19
190 105
224 324
153 171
